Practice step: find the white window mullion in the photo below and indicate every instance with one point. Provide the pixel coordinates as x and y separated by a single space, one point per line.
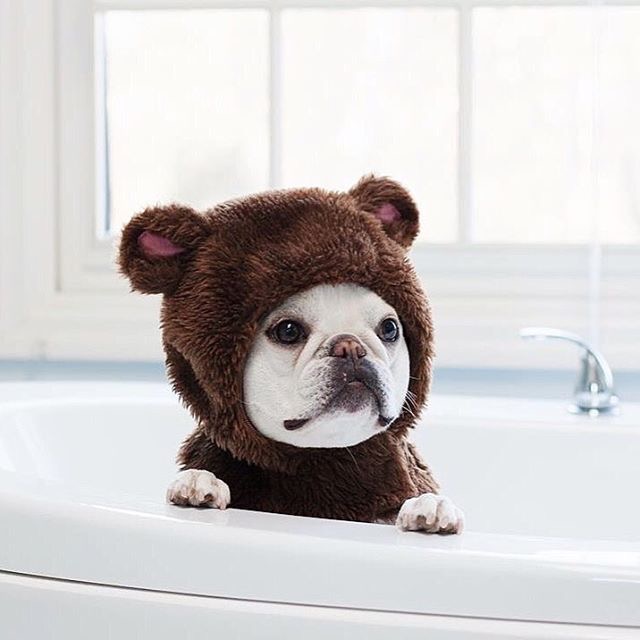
275 96
465 87
102 211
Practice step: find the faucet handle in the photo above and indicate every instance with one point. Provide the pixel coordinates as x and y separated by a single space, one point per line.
594 391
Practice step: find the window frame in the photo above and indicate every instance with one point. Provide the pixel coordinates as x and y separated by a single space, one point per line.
60 296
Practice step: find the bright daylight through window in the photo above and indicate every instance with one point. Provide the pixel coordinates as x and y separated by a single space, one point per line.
196 112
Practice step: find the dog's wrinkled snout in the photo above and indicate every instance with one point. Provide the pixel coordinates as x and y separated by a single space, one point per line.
347 346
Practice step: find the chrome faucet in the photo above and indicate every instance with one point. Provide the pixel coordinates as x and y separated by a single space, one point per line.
594 392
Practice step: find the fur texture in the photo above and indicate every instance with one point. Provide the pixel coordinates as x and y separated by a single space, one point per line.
220 272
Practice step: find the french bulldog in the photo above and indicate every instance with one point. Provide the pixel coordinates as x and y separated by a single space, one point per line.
299 336
329 368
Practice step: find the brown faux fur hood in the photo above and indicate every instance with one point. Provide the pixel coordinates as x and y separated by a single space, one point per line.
222 270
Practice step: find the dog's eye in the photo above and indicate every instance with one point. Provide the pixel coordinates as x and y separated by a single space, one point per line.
288 332
388 330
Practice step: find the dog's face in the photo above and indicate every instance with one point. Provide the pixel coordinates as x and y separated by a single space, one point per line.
328 368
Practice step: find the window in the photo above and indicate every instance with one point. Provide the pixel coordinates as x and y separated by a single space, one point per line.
187 97
513 125
373 90
555 157
186 117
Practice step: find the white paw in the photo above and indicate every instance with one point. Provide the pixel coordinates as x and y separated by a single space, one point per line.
431 513
199 489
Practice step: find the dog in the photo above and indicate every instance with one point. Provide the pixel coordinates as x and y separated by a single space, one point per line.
298 334
329 368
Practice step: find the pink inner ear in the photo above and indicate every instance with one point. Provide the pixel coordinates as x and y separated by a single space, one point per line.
153 244
387 213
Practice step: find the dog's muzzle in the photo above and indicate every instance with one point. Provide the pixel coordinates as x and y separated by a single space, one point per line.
349 367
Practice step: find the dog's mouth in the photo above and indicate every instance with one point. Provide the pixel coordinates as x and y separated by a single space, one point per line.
354 388
297 423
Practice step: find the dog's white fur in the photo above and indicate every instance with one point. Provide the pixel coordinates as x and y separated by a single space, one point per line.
284 382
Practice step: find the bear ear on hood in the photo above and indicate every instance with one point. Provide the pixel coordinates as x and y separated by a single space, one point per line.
390 203
157 244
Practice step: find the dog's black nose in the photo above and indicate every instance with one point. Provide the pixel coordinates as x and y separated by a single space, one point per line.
347 346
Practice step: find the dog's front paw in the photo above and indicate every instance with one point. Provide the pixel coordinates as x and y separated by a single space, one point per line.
431 513
199 488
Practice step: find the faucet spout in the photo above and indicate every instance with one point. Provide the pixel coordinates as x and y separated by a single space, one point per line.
594 392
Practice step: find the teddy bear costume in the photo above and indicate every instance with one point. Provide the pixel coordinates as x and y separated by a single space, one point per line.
220 272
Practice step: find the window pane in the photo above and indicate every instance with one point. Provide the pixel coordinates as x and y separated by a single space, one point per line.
531 124
619 165
187 107
374 90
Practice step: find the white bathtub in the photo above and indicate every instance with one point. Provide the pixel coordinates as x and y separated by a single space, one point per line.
89 549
